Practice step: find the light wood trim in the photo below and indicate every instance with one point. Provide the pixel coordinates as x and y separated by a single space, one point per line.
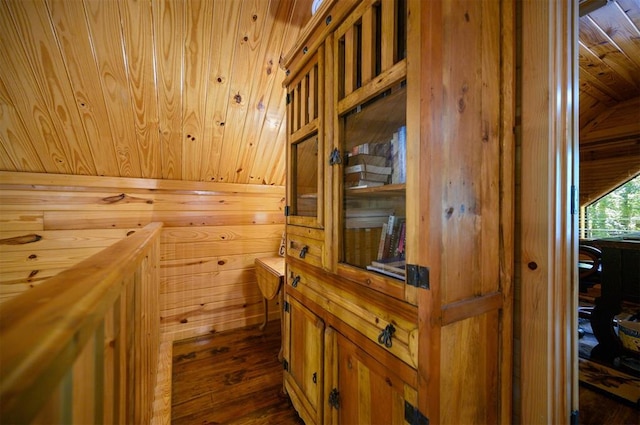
32 323
303 132
126 183
384 80
547 228
389 22
464 309
315 33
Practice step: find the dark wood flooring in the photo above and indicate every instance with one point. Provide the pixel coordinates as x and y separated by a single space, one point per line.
233 377
598 408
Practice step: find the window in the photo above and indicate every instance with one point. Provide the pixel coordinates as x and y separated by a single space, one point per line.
616 213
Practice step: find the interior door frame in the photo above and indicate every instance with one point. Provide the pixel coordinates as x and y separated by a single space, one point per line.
546 227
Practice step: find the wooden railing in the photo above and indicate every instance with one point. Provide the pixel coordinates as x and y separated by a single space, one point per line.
82 347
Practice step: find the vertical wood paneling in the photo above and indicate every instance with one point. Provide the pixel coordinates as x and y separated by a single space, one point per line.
146 88
68 20
197 58
19 81
53 83
248 44
138 41
103 20
264 95
18 153
168 54
226 15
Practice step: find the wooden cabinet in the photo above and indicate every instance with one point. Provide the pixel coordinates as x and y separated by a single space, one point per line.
303 354
400 222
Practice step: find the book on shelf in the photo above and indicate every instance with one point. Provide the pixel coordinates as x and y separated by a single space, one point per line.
382 239
395 238
377 160
392 240
367 168
386 272
374 177
394 265
360 184
399 156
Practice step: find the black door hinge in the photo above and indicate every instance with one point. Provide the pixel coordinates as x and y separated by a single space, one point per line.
287 211
288 98
334 399
285 365
413 416
575 417
418 276
286 307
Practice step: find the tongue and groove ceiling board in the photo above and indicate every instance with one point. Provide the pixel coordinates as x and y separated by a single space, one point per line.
192 89
164 89
609 120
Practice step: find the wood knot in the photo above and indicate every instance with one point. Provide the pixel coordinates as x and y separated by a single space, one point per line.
21 240
237 98
114 199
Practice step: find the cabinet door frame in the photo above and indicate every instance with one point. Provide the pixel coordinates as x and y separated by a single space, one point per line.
311 407
304 131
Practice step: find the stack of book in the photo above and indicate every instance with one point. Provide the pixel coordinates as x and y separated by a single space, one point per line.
391 249
376 164
366 170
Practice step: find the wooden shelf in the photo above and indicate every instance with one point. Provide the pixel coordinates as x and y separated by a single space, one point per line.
385 190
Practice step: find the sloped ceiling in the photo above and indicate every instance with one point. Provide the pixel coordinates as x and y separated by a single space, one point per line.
609 67
191 89
170 89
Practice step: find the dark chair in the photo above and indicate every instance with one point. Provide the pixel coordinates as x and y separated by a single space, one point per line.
589 266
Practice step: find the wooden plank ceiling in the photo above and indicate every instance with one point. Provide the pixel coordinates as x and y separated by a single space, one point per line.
191 89
166 89
609 67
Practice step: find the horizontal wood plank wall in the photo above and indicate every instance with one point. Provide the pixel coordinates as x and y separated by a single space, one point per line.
30 256
212 233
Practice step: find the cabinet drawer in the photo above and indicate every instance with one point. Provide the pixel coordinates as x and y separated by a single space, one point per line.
311 251
366 316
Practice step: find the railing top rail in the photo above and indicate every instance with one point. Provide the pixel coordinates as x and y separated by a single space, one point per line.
44 329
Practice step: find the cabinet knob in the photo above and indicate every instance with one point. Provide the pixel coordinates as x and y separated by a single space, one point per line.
315 378
304 251
295 281
386 334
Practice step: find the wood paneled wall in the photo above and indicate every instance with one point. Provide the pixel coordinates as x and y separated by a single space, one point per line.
212 233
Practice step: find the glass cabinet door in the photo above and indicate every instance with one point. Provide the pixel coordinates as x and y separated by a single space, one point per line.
305 147
371 112
374 176
304 161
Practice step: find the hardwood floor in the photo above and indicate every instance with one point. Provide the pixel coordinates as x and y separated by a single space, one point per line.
233 377
597 408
